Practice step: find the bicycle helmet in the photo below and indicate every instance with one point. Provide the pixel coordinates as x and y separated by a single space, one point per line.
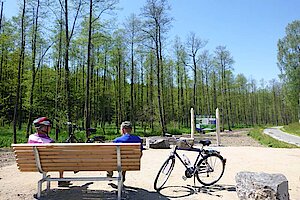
41 121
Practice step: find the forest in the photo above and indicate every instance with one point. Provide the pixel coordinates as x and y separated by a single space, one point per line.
71 61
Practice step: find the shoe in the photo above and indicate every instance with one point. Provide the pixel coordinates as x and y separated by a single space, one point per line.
109 174
64 183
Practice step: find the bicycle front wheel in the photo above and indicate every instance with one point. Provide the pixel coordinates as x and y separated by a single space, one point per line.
164 173
210 169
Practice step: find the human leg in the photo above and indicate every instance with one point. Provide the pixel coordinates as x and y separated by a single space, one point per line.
63 183
109 174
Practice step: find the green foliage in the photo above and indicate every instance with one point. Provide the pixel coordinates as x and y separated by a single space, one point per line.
288 60
6 136
257 134
293 128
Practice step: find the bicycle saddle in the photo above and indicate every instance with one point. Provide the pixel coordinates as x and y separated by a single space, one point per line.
92 130
205 142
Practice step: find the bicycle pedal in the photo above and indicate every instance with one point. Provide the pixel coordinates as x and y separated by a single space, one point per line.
184 178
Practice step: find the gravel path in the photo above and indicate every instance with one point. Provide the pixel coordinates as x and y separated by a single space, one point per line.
234 138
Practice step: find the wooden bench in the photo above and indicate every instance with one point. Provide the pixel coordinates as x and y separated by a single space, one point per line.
55 157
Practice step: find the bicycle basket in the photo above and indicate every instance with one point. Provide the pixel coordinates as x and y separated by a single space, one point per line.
185 142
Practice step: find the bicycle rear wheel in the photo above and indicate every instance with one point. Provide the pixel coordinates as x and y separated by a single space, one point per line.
210 169
164 173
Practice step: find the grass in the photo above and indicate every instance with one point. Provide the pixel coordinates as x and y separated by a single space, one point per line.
265 140
6 137
293 128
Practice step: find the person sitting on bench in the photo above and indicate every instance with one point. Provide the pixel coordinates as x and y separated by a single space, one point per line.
43 127
126 137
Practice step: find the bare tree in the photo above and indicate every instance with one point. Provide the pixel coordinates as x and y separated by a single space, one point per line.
194 44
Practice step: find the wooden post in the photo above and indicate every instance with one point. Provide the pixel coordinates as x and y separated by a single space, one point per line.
192 123
218 127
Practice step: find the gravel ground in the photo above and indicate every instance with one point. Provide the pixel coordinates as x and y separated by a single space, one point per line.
7 157
235 147
234 138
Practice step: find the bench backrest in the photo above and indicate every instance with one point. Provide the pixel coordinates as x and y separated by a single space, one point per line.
77 156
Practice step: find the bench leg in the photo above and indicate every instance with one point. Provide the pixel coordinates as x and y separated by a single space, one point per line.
40 185
48 186
39 188
120 185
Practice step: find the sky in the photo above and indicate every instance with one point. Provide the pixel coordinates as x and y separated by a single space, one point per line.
250 29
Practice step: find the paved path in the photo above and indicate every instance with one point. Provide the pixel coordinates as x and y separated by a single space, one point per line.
276 133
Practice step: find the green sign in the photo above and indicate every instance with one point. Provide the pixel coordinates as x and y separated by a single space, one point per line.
205 122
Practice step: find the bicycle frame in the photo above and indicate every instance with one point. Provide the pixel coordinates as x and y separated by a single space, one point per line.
199 156
206 165
73 139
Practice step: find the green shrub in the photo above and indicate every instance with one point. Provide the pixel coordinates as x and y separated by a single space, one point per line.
293 128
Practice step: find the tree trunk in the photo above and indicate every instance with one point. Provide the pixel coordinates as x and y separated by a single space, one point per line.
33 67
87 87
132 84
21 57
67 71
1 62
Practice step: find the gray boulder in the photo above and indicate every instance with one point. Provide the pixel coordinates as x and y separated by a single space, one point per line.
261 186
157 143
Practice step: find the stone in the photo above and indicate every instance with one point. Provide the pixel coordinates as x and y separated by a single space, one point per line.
157 143
261 186
185 142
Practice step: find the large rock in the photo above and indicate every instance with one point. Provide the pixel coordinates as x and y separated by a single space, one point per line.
261 186
157 143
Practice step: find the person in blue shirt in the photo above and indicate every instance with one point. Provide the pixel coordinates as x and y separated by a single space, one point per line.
126 137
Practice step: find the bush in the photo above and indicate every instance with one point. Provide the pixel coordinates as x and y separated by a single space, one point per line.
293 128
6 137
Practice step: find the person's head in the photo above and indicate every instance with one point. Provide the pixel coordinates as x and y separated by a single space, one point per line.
42 125
126 127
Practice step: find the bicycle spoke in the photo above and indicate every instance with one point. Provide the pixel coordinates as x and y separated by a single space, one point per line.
164 173
210 169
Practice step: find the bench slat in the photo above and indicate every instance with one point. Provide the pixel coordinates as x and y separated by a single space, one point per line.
78 169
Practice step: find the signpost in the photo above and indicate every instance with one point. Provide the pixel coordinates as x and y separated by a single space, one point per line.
205 123
218 126
192 123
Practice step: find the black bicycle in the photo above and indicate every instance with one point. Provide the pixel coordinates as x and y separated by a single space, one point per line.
208 167
73 139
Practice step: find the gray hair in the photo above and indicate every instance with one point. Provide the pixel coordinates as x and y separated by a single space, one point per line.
126 124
